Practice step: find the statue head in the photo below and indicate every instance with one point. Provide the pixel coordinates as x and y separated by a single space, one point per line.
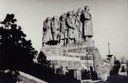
55 18
73 12
62 17
69 13
48 19
86 8
80 10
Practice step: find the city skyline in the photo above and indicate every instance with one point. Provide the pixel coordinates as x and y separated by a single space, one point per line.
109 20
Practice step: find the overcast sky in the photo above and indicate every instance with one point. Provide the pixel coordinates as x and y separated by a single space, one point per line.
110 20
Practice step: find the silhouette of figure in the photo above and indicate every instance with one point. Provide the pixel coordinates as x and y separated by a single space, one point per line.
55 28
63 30
87 23
127 67
71 27
85 74
123 69
47 35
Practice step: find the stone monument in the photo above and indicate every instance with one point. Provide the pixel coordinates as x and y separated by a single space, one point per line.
67 42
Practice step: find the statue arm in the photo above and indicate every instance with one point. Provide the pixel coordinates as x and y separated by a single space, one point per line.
90 16
52 24
69 24
44 26
87 16
58 25
81 28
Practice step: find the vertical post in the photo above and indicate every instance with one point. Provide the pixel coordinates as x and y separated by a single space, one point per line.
109 55
108 49
93 62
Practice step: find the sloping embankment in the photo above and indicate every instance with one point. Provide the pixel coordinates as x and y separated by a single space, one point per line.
26 78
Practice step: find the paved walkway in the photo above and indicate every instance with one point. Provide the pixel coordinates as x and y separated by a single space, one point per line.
90 81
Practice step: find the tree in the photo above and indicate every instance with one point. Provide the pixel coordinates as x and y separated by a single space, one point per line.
123 59
116 68
16 53
42 60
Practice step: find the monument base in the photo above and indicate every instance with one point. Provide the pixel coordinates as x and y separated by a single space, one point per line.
79 56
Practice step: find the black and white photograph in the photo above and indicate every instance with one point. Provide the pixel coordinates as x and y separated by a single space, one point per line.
63 41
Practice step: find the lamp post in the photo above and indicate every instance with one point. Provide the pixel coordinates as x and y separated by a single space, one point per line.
109 55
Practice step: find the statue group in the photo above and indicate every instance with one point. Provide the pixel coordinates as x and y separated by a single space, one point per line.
71 27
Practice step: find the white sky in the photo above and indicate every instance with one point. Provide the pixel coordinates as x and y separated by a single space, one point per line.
110 20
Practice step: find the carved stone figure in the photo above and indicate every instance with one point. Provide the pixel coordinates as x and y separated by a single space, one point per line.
55 28
71 27
63 31
47 35
78 25
75 27
87 22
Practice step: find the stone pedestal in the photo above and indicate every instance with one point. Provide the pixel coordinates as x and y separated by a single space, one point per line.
73 56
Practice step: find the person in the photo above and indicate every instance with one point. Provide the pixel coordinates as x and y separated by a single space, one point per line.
71 27
63 30
47 35
87 23
78 25
55 28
